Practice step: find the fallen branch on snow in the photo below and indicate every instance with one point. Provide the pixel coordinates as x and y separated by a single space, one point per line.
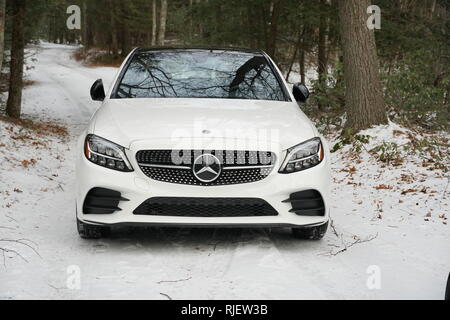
179 280
21 242
165 295
349 245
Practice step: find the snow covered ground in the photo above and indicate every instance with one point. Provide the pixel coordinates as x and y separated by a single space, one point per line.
390 239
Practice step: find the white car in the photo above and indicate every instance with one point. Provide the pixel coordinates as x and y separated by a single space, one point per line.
201 137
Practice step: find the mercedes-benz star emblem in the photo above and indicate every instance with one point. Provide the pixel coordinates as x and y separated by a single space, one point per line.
206 168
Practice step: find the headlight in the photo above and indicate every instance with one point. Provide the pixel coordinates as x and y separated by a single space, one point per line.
106 154
303 156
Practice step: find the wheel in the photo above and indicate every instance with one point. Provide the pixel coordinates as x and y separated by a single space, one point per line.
90 231
310 233
447 291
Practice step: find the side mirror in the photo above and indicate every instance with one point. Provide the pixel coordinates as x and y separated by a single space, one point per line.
98 91
301 92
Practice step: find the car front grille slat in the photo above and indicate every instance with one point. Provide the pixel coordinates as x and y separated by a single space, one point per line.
247 167
232 158
205 207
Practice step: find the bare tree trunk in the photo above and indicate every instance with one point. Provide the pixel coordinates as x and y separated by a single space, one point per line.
291 63
294 55
162 23
302 65
89 32
263 25
125 30
302 58
13 106
114 42
154 22
364 94
85 28
219 20
322 52
191 21
2 32
200 24
53 37
272 37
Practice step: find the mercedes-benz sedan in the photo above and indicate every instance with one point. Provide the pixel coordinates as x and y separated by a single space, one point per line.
201 137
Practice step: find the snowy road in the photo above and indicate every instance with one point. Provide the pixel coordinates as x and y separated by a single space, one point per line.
399 256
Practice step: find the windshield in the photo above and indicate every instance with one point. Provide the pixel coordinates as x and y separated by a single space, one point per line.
199 74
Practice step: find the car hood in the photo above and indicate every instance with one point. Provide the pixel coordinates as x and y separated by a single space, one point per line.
126 121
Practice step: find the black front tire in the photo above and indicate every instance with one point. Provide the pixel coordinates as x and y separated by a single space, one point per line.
310 233
90 231
447 291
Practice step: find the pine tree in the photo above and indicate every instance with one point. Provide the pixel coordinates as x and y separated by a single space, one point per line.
364 94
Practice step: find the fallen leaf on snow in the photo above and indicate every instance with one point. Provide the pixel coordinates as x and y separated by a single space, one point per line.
383 187
27 163
408 191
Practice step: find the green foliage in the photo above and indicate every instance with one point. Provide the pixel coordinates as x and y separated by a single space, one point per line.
416 91
325 122
330 95
388 152
348 138
414 47
433 148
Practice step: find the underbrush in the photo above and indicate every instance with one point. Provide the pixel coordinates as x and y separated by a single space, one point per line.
394 145
97 58
27 126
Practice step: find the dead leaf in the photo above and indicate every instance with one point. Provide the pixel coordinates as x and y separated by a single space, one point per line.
408 191
424 190
27 163
383 187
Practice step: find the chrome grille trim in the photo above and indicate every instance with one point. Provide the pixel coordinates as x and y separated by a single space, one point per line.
155 165
247 167
163 166
189 168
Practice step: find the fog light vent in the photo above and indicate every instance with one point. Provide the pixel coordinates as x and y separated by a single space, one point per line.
307 203
102 201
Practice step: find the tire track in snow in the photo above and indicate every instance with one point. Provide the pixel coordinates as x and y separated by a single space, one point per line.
48 58
85 111
204 257
237 263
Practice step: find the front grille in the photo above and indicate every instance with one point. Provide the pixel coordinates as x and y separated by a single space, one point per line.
229 158
237 166
205 207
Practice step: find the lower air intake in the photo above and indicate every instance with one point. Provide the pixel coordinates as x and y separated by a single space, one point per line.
102 201
205 207
307 203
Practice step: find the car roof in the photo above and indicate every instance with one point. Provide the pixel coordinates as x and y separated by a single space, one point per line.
200 48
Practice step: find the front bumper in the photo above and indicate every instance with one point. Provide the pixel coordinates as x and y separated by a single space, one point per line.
274 189
136 187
